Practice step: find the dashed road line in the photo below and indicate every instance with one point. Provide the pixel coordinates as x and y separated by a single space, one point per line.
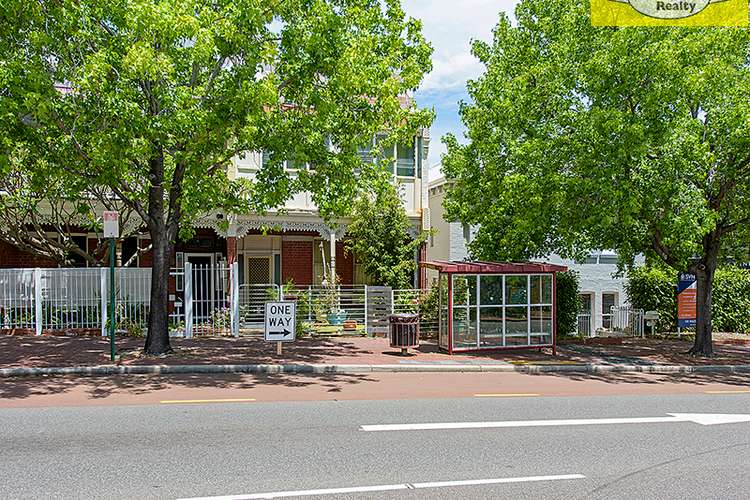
393 487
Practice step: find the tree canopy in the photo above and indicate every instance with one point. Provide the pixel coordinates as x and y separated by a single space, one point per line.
150 100
382 235
634 139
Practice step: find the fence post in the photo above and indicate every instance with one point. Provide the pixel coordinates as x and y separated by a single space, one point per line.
188 302
103 298
38 300
234 290
366 307
309 302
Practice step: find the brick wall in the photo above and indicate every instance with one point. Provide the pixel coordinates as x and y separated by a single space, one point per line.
146 258
296 262
11 256
344 264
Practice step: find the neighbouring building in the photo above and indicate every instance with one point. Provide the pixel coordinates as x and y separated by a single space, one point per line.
601 287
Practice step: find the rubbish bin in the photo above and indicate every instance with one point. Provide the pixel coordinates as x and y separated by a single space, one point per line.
404 331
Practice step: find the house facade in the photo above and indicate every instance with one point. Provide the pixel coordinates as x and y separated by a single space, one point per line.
601 287
290 243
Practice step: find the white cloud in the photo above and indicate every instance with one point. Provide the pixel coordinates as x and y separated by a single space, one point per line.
450 27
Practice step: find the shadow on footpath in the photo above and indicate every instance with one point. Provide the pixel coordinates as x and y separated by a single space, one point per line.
98 387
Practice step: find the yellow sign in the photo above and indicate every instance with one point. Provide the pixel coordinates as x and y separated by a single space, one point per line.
669 12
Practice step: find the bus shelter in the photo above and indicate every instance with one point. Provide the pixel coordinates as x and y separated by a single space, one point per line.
495 305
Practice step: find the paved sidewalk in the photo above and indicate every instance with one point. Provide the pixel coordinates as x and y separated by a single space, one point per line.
60 351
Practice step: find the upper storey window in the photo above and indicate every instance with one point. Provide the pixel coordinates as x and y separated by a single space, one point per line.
399 159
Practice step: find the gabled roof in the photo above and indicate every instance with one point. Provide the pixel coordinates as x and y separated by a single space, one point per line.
482 267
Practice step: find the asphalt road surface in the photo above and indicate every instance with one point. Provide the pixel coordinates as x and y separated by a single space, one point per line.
320 449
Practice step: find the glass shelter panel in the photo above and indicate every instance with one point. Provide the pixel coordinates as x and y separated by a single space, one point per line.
541 324
491 327
515 289
516 326
443 298
464 290
491 290
464 327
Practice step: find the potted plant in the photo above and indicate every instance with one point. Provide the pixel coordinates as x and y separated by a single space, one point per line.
329 301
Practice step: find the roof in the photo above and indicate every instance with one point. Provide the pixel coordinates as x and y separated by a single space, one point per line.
482 267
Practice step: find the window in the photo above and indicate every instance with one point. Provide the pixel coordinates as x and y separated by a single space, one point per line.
405 165
467 233
609 300
129 249
76 260
296 165
591 259
585 303
609 258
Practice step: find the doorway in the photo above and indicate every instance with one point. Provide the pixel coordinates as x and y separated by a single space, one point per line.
202 279
258 270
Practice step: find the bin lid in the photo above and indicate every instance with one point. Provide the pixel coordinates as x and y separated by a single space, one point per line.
406 317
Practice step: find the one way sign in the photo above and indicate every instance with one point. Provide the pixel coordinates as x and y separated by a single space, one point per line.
281 321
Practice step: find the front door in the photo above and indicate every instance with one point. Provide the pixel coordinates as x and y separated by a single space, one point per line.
202 286
258 270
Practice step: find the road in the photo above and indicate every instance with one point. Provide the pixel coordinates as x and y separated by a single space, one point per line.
205 448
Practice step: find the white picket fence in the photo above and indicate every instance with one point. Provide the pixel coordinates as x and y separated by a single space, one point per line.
204 300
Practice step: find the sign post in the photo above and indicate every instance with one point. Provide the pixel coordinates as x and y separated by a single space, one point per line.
280 322
111 231
687 289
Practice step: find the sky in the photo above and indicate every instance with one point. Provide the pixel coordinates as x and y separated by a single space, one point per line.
450 26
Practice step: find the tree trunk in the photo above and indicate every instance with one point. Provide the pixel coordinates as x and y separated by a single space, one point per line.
157 340
704 273
163 234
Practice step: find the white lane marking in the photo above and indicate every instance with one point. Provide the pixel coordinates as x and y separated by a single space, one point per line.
393 487
698 418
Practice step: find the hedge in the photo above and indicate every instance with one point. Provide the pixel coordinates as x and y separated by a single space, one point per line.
653 289
568 303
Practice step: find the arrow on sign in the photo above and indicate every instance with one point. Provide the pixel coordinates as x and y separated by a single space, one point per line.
698 418
284 331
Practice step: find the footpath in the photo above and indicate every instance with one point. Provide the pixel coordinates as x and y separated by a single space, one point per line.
48 355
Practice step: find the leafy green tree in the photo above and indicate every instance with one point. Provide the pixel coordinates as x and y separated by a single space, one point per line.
151 100
634 139
381 238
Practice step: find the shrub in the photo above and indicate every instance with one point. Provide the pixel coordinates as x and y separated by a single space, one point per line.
568 303
731 300
380 236
653 289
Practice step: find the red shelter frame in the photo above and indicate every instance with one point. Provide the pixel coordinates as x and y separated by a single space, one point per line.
478 268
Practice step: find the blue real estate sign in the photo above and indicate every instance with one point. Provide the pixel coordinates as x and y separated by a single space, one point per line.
686 294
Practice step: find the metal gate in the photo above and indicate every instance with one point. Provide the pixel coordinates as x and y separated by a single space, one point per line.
627 320
252 298
379 307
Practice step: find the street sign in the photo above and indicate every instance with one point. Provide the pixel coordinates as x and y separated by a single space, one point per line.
687 289
111 231
281 321
111 224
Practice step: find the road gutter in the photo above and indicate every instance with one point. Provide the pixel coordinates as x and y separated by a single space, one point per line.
302 368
